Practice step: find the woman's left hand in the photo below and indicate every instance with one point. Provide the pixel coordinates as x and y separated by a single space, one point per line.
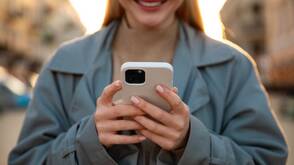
169 129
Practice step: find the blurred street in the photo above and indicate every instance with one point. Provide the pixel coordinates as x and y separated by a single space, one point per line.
286 123
10 125
32 30
11 121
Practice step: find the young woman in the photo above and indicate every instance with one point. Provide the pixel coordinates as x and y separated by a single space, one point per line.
220 112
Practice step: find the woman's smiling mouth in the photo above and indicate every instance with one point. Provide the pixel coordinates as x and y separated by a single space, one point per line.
151 5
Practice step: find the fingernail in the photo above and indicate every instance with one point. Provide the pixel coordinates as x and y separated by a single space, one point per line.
117 83
159 89
135 100
142 138
176 89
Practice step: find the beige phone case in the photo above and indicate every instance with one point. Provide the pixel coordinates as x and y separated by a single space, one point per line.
155 73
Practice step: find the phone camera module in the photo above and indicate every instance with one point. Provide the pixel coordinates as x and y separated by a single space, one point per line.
135 76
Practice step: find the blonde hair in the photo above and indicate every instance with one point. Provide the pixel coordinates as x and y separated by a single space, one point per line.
188 12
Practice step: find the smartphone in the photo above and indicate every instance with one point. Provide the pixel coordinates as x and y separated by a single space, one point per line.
141 78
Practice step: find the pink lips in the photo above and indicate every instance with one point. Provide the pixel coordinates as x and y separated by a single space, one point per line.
150 5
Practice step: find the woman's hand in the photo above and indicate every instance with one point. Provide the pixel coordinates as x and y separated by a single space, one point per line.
168 129
107 118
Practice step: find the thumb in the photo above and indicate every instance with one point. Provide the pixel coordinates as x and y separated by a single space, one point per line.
108 92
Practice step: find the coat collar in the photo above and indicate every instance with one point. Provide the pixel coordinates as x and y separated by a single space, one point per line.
77 55
194 51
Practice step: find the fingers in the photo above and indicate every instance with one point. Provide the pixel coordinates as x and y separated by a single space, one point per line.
118 111
175 90
111 139
154 111
171 97
118 125
161 141
108 93
157 127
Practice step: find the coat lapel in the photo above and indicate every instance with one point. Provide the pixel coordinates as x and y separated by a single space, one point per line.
187 78
96 77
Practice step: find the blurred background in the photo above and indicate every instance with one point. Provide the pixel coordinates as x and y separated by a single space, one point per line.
30 31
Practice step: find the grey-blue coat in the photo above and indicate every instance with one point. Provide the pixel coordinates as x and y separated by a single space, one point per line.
231 121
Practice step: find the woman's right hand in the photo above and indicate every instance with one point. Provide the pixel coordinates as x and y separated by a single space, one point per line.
109 118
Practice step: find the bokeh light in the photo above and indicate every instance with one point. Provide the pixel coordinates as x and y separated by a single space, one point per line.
91 13
212 23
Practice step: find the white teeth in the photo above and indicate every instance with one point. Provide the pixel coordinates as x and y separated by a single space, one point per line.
150 4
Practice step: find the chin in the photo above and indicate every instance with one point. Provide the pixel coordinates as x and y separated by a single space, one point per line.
152 22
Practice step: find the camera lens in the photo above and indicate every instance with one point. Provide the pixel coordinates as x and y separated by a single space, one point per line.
135 76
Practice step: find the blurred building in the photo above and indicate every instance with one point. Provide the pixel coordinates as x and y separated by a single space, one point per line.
280 43
34 28
30 31
245 25
264 28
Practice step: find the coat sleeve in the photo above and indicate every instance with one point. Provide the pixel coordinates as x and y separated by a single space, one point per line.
250 133
48 138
